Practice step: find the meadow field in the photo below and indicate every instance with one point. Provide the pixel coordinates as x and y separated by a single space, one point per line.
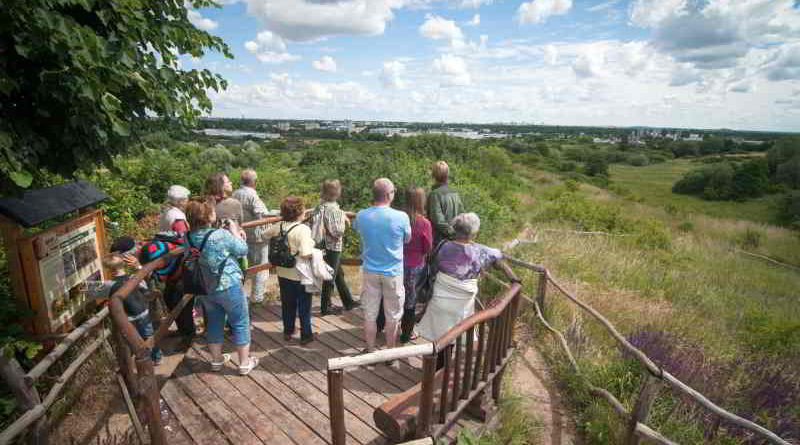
652 184
677 286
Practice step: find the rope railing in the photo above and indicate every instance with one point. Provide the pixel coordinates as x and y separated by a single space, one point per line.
655 374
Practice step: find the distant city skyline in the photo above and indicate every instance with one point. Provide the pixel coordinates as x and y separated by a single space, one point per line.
666 63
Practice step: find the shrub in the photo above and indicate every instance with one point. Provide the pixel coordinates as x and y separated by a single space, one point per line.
750 238
789 209
686 226
638 160
597 165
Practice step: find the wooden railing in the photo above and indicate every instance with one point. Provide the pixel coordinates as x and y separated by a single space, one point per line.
653 374
473 356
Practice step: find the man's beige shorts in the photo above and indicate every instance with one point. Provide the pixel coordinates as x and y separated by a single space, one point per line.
390 288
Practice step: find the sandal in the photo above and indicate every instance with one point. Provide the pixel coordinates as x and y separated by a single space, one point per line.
244 370
217 367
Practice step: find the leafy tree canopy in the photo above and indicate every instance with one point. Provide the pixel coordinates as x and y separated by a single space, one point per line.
79 78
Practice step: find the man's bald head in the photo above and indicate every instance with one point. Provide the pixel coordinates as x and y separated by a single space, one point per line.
382 191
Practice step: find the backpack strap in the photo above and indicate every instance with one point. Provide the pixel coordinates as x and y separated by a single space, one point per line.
203 243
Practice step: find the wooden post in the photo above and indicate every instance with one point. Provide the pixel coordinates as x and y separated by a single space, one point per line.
445 384
476 376
467 385
336 406
641 410
426 397
150 397
125 361
456 375
26 396
541 290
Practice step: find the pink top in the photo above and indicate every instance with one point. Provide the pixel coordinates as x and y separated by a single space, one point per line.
420 244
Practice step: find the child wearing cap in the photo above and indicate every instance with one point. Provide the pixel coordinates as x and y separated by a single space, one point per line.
136 304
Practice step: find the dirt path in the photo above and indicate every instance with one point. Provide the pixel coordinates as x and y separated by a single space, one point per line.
531 380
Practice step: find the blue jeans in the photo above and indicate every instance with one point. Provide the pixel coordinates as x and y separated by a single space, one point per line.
257 253
295 301
145 328
230 302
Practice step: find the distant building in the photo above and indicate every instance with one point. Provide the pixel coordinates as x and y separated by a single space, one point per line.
311 125
693 137
284 126
388 131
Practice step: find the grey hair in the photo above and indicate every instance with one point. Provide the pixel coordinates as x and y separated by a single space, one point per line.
176 194
248 177
382 189
466 225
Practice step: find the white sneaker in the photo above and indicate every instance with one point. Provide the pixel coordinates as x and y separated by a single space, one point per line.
245 369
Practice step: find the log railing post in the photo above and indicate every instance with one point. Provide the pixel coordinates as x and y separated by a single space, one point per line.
426 397
541 290
456 374
479 358
336 405
150 397
470 345
26 395
641 410
125 361
445 384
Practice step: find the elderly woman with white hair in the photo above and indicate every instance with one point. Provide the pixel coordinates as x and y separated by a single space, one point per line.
457 266
172 217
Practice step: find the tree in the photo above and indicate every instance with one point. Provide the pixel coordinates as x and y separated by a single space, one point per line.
751 179
80 79
597 165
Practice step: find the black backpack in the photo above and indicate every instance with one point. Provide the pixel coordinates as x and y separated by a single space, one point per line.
427 276
279 252
198 278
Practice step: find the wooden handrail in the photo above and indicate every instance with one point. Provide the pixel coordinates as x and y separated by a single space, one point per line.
494 309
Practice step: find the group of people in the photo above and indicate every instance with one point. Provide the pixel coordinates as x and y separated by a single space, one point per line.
306 247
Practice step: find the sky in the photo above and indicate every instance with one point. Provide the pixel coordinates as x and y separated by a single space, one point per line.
663 63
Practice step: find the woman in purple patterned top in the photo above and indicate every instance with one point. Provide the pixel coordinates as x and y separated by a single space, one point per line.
458 264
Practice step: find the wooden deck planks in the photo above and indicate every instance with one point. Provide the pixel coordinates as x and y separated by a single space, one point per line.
260 424
311 384
231 425
341 343
284 400
197 425
362 382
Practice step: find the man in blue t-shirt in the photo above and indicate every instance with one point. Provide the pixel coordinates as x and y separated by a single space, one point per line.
383 231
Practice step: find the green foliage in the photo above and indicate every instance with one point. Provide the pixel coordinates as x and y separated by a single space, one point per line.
78 78
726 181
597 164
750 239
789 209
638 160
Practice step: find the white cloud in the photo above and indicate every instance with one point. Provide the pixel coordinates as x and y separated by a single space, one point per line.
537 11
305 20
784 64
390 75
438 28
453 69
684 75
270 48
589 63
722 34
197 19
471 3
742 87
475 21
326 63
550 54
602 6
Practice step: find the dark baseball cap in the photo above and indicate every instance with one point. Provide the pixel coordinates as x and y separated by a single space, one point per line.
123 244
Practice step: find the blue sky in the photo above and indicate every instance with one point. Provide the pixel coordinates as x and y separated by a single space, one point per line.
685 63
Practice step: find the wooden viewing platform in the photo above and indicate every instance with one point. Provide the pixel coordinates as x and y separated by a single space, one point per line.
283 400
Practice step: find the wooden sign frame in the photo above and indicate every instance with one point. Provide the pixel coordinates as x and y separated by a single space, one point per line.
68 246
